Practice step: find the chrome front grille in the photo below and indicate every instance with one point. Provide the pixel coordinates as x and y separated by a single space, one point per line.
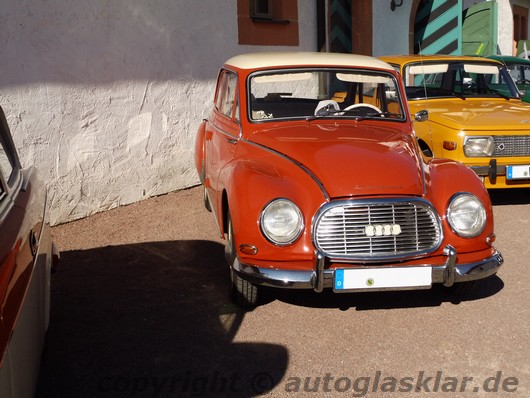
511 145
376 230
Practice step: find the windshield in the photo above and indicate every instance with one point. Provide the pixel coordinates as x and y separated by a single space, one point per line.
521 75
458 79
323 93
519 72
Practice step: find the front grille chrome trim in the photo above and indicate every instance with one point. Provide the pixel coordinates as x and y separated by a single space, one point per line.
376 230
511 146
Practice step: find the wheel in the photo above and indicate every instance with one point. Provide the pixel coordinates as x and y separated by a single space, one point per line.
207 204
360 106
425 149
244 293
461 289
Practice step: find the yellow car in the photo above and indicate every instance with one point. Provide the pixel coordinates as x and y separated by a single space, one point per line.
469 109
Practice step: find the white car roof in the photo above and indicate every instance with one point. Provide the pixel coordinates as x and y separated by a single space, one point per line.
291 58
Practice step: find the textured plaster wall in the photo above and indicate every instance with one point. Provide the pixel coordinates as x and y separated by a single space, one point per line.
391 28
105 97
504 27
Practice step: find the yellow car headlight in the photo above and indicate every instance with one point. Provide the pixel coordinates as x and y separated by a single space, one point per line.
478 147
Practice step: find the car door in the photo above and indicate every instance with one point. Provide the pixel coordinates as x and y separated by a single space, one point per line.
11 235
25 263
222 135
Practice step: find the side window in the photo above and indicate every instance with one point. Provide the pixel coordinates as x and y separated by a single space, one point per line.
221 83
261 9
230 103
6 166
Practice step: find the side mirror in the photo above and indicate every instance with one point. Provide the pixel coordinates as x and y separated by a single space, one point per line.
421 116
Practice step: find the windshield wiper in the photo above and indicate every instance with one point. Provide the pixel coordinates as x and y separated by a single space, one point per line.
323 113
506 97
459 95
328 110
374 115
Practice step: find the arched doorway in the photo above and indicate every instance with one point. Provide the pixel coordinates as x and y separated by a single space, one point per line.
435 27
344 26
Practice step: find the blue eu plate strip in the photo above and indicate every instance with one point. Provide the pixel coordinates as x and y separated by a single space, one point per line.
339 279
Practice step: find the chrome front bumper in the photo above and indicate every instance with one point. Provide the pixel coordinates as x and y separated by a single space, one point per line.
320 278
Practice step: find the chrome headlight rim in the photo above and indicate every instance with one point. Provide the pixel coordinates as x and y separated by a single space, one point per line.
479 146
466 215
294 231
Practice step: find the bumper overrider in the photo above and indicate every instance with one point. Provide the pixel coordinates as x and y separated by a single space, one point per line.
320 277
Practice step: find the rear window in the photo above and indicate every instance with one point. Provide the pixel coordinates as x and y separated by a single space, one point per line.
6 166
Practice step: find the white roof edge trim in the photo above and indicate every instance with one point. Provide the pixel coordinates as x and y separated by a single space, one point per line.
293 58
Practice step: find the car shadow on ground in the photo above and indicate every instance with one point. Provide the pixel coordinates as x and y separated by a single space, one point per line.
151 319
515 196
364 301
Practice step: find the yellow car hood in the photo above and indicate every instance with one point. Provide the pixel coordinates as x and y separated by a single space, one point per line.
476 114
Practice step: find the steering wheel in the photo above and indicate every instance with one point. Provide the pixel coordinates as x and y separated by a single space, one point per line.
370 106
523 81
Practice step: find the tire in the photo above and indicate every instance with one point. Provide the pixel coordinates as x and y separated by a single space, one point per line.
207 204
425 149
461 289
244 294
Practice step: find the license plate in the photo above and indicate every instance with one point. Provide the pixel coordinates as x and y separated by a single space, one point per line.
382 278
520 172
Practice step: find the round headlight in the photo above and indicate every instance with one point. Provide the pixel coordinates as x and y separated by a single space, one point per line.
478 146
466 215
281 222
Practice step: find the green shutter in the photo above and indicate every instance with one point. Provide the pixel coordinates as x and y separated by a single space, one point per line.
479 29
340 26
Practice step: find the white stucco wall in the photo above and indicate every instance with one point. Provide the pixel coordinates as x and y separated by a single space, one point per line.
391 28
504 27
105 97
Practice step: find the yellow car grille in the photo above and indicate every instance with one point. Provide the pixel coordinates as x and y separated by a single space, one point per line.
511 145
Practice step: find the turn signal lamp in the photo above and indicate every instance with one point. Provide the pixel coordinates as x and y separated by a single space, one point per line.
248 249
450 145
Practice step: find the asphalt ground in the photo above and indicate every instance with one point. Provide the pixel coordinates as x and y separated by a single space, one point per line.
140 308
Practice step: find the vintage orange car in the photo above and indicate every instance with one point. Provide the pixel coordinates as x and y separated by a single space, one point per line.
27 256
314 175
475 115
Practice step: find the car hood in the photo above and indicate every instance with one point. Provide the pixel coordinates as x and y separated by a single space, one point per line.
476 114
352 160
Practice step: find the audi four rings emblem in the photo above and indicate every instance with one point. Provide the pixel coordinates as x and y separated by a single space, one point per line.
382 230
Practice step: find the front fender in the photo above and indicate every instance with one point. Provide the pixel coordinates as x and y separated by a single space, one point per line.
445 178
200 150
252 184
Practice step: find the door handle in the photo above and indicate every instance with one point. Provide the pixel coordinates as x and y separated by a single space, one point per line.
232 141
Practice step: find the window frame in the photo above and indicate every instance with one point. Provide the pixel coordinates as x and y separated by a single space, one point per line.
228 80
9 185
254 6
278 27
